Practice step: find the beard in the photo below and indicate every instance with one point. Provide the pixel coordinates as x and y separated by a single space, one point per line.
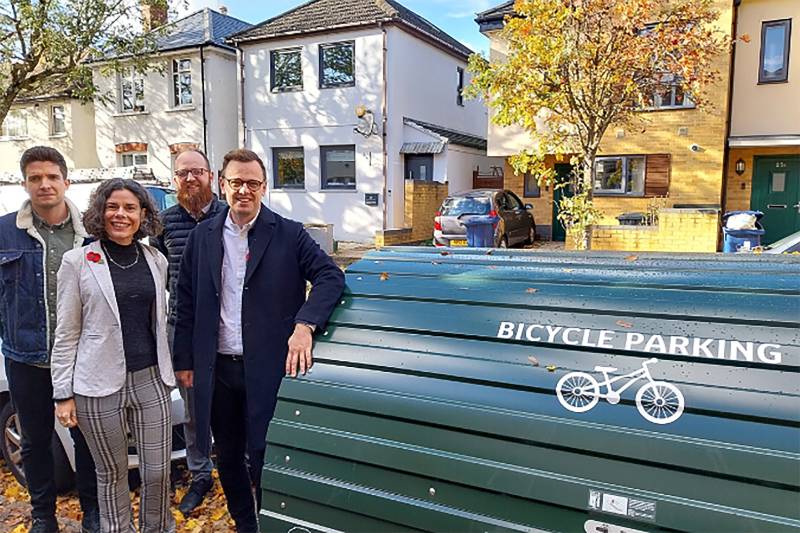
196 199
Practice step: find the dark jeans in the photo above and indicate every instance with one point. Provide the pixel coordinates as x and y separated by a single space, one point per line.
32 393
229 425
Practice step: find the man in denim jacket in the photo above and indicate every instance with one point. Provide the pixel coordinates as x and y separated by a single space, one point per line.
32 242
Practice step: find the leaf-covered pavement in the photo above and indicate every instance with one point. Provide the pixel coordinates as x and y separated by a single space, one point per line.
212 516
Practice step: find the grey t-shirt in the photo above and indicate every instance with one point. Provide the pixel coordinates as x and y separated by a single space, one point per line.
58 240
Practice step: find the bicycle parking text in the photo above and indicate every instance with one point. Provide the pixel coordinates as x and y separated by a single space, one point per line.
666 344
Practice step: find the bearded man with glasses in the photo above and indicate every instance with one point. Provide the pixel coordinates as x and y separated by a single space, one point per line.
244 322
196 202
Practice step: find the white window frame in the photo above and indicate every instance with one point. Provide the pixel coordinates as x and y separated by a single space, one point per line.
178 70
14 119
54 120
623 190
131 77
137 159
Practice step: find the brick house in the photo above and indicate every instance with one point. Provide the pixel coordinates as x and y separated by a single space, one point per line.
676 161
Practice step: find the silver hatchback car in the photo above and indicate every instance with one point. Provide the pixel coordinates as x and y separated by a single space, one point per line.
515 223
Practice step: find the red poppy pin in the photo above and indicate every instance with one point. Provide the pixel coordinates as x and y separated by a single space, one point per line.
94 257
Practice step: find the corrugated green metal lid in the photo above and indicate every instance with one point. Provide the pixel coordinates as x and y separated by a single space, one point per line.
454 391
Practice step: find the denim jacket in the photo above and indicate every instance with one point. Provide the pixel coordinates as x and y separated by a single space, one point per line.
23 304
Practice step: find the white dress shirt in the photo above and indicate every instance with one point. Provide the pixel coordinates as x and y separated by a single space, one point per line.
236 252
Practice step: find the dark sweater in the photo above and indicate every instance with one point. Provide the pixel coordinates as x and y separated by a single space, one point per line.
178 223
135 291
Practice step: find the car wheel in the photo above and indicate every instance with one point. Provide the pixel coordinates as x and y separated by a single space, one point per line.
531 235
63 475
12 442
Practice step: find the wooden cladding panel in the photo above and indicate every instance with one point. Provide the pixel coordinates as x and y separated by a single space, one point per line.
657 174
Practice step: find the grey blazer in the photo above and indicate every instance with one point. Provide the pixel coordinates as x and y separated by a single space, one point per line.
88 355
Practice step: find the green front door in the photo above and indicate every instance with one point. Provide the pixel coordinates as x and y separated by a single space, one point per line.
776 193
563 172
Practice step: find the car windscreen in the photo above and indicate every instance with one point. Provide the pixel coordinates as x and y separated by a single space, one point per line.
454 207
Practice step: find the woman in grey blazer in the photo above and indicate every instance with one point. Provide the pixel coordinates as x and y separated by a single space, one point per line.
111 366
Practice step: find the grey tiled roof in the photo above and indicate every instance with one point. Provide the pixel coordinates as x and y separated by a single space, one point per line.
200 28
452 136
321 15
492 19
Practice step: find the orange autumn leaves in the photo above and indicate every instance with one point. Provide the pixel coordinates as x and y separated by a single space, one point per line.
212 516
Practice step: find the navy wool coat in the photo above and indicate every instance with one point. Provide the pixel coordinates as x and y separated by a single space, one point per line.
282 258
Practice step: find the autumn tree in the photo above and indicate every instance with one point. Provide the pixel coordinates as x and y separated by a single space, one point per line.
45 44
575 68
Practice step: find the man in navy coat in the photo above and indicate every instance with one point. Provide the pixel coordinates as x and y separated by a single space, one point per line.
243 322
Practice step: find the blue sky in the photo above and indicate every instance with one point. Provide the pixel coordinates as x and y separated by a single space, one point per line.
456 17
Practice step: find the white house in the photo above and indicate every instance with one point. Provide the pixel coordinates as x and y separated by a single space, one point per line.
345 99
56 120
191 102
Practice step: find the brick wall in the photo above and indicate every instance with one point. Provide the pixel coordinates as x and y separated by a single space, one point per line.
678 230
392 237
422 200
739 188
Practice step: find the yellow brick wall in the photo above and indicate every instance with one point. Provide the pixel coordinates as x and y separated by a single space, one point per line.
422 200
740 188
392 237
678 230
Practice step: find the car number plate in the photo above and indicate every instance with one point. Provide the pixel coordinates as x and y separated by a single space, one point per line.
458 242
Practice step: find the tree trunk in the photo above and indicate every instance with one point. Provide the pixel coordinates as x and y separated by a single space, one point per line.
6 99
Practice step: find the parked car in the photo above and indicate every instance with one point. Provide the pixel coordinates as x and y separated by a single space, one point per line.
164 197
63 449
12 195
515 224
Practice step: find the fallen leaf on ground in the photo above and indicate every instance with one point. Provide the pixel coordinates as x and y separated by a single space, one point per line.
632 258
533 360
623 324
384 276
444 253
531 290
569 270
551 368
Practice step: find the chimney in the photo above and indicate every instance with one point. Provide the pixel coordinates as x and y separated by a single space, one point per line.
223 10
154 14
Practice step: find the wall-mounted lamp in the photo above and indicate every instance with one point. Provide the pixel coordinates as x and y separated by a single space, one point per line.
366 126
739 166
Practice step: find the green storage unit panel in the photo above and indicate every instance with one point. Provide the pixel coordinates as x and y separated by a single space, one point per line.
476 391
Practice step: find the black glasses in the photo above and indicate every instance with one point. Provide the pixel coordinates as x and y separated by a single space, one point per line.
195 172
252 185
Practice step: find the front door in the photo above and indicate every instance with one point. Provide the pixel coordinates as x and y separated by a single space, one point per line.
563 172
776 193
419 167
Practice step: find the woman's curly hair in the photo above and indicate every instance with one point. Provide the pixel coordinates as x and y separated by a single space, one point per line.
94 218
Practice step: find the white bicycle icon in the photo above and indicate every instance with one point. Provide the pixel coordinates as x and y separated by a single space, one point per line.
658 402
